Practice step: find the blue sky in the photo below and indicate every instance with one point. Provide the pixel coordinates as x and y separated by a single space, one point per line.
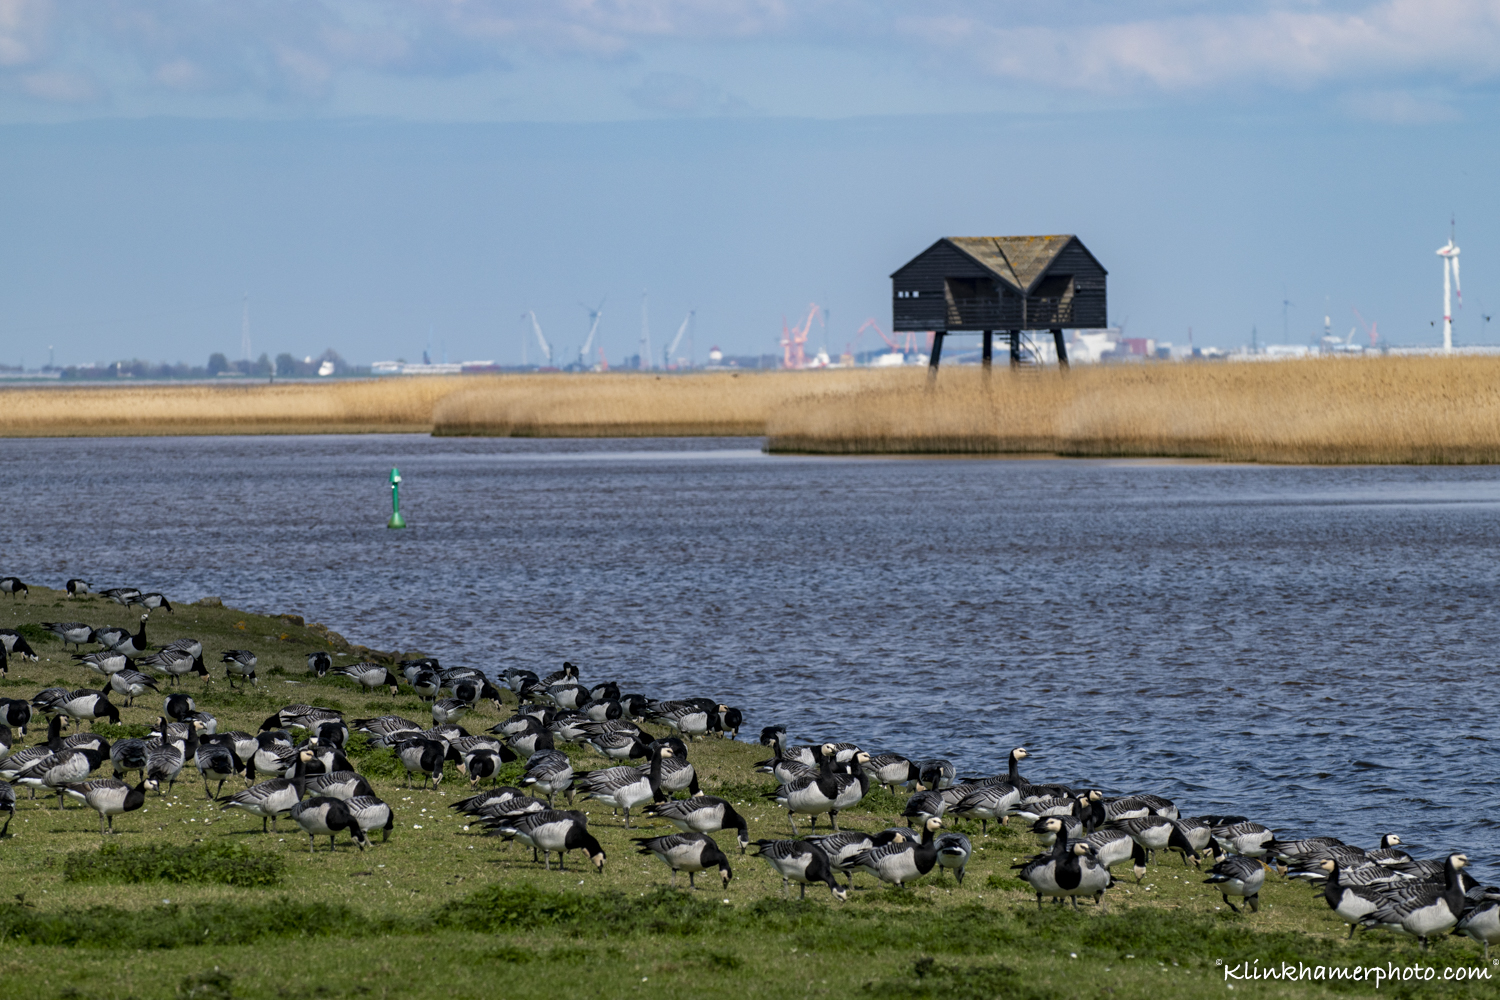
378 174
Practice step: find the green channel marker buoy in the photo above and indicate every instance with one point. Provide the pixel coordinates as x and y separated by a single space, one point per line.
396 521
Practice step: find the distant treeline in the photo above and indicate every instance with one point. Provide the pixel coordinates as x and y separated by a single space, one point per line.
285 366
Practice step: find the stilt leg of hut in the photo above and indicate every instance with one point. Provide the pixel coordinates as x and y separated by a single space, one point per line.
1015 348
937 352
989 349
1062 349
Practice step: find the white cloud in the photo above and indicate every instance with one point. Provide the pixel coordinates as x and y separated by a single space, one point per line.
299 49
1280 47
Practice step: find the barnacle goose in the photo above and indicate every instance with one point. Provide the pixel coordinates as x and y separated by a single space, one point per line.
129 755
1110 847
319 663
78 588
424 755
567 695
214 760
1139 807
153 601
690 719
935 774
121 595
239 663
1240 876
448 710
113 637
370 676
677 772
891 769
192 647
702 814
426 684
988 802
818 794
953 852
12 585
1156 833
15 644
387 730
131 683
179 706
925 804
846 845
626 787
107 662
15 713
165 760
617 745
1067 870
109 797
902 861
1481 921
75 632
372 814
344 785
269 799
801 862
1352 903
1422 909
325 815
479 765
687 852
176 663
567 673
1244 837
86 704
551 830
61 768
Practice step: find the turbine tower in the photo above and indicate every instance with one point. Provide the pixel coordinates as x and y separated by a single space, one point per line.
1449 254
245 329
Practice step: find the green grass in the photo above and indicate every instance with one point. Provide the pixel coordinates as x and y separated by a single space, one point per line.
214 862
442 911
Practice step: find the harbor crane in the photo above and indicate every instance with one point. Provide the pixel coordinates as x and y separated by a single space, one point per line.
794 339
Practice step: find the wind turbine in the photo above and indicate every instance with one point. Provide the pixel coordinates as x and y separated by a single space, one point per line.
537 329
1449 254
681 330
594 314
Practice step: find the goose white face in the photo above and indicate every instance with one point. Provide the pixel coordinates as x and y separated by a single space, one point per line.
725 874
598 860
1459 860
829 749
1019 753
840 893
862 758
934 823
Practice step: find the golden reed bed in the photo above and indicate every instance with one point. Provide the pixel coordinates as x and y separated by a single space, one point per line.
1382 410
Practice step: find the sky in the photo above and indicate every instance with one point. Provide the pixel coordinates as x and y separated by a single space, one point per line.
387 177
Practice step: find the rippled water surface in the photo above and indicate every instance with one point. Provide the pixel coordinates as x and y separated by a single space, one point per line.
1313 647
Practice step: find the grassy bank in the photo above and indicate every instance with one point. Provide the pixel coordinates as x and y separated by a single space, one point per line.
441 911
1364 411
642 405
1358 411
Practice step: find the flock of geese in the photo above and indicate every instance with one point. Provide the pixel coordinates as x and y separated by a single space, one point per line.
296 766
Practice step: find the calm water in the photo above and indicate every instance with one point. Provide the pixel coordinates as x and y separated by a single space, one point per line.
1312 647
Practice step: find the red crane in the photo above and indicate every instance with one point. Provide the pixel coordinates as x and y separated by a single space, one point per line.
794 339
